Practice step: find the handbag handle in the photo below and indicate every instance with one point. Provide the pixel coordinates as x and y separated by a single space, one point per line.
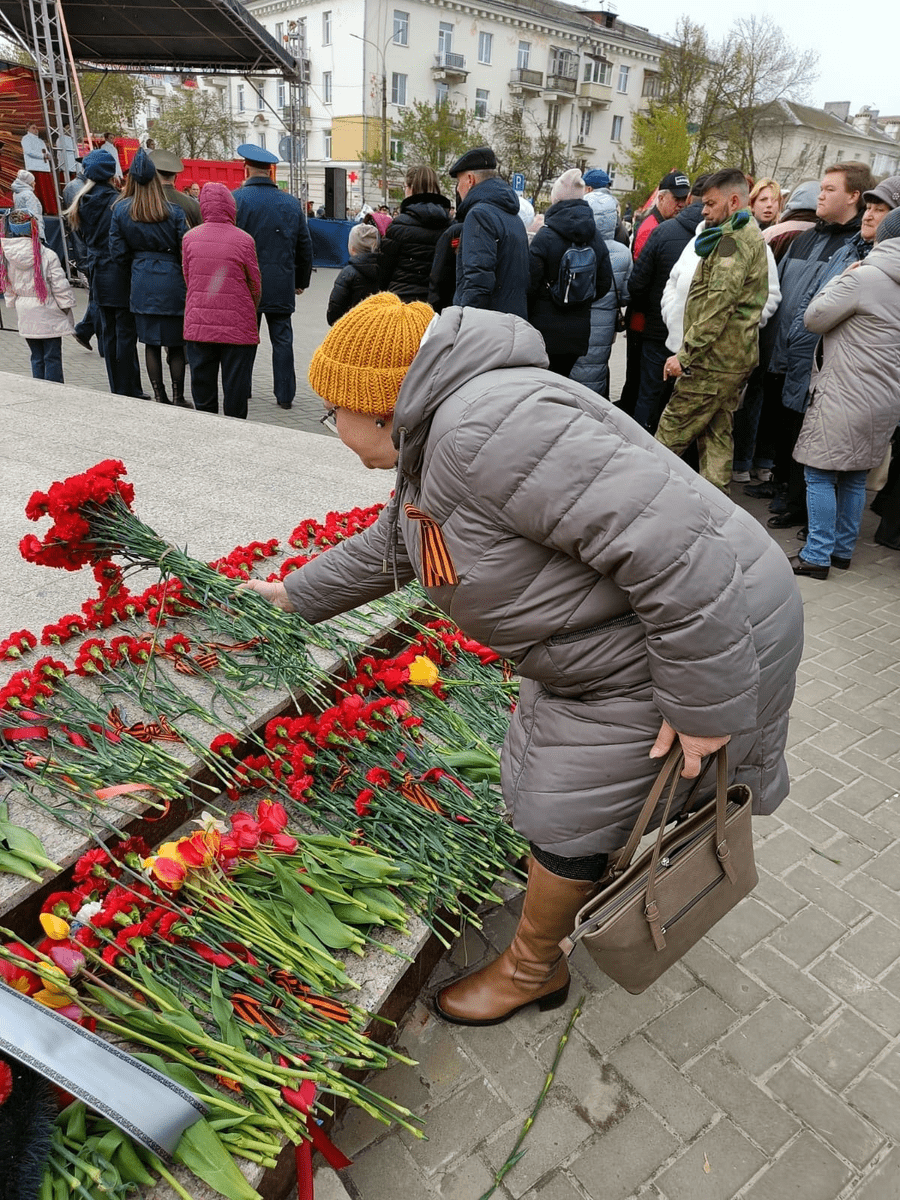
651 909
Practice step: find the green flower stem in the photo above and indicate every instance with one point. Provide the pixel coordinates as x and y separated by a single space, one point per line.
170 1179
514 1154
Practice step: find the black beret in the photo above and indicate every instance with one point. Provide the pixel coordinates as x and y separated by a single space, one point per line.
482 158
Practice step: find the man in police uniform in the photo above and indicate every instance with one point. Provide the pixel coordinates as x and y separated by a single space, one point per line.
276 222
169 165
720 346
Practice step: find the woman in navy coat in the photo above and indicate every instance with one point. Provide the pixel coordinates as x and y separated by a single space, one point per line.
146 231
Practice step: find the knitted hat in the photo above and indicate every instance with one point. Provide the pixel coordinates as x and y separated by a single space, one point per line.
25 177
142 169
363 360
889 227
99 166
363 238
569 186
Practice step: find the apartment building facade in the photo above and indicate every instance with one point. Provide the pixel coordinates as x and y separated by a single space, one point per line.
582 73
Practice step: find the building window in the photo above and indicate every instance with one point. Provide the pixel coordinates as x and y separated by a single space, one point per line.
622 85
441 93
481 103
326 137
260 96
652 84
281 100
279 31
563 63
584 129
617 129
240 97
523 56
396 151
485 46
552 116
401 28
326 87
838 156
445 38
261 138
596 71
398 89
326 28
611 172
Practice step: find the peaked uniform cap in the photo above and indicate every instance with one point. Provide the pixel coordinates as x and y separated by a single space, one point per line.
256 155
167 162
364 359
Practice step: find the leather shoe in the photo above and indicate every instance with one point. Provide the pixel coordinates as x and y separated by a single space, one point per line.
280 405
842 564
761 491
83 342
801 567
785 520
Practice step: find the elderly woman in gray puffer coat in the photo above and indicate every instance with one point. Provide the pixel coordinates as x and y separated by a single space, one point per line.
854 399
592 369
637 603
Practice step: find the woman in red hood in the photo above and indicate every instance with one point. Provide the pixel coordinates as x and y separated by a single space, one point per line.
223 291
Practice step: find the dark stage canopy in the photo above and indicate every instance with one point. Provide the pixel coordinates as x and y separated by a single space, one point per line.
174 35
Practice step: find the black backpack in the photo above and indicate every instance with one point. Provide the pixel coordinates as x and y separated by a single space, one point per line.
576 280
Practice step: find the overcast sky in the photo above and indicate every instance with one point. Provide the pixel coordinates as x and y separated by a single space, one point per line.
857 48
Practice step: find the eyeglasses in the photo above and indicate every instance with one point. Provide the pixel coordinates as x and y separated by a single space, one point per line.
330 420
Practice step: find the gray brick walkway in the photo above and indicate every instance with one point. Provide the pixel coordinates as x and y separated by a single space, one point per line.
766 1065
86 369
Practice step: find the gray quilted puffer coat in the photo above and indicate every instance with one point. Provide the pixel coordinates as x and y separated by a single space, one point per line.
854 402
622 585
592 369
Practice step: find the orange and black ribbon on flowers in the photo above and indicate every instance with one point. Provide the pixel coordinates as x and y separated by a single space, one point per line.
437 565
416 794
143 731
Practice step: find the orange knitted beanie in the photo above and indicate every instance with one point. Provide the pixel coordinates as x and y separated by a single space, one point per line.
363 360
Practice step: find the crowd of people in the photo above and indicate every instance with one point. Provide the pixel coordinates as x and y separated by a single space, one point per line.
732 295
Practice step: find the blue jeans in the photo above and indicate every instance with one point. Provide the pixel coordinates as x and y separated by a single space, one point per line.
281 335
46 358
836 501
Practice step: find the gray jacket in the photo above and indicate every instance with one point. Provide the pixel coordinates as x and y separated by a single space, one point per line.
623 586
592 369
855 386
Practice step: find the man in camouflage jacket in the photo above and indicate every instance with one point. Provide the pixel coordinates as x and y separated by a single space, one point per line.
721 322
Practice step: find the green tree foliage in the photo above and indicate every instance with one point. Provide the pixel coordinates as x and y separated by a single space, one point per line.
195 124
660 142
114 100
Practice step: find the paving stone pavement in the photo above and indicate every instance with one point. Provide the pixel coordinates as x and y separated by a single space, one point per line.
765 1065
86 369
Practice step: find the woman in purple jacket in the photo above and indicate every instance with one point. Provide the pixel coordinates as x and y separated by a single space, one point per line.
223 291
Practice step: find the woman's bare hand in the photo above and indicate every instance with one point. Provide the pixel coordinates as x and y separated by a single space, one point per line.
271 590
693 748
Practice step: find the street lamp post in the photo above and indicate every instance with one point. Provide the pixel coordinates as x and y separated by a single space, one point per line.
384 136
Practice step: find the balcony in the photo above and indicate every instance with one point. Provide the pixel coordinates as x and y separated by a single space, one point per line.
523 80
563 86
448 65
594 95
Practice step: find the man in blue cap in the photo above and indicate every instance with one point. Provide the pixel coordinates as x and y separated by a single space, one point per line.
276 222
492 260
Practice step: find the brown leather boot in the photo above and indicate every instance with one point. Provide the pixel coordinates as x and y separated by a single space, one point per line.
533 969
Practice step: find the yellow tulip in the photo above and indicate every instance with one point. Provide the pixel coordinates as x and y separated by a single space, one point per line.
51 999
54 927
50 973
423 672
